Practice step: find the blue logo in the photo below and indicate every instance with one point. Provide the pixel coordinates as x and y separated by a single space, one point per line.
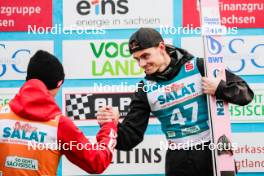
214 46
243 59
215 59
13 61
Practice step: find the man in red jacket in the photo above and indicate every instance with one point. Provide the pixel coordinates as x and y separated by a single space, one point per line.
34 134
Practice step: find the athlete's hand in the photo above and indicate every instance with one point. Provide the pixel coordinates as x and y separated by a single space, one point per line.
210 84
107 114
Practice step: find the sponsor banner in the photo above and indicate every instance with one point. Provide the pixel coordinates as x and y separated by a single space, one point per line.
15 55
116 14
100 59
18 15
82 104
239 13
249 153
5 96
254 111
241 54
147 158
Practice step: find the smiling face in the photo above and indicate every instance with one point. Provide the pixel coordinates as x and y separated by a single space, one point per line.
153 59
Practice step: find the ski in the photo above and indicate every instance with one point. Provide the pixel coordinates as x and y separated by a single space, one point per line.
219 119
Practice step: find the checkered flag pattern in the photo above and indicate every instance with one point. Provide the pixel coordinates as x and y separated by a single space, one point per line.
77 106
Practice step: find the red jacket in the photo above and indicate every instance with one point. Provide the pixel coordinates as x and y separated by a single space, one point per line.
34 102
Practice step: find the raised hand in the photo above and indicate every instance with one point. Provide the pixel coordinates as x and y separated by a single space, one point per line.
210 84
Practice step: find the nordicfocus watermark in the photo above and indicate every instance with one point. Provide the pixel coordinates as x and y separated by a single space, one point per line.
66 146
165 145
190 29
58 29
125 87
122 87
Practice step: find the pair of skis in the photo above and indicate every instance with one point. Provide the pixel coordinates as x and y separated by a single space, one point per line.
219 120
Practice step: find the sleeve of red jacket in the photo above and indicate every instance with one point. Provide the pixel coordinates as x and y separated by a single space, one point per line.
89 159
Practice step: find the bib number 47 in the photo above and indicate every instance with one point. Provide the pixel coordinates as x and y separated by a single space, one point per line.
177 117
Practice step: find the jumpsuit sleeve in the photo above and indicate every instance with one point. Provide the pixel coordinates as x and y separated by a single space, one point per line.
234 90
93 158
131 130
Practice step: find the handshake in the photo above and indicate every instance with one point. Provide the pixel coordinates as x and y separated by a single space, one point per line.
107 114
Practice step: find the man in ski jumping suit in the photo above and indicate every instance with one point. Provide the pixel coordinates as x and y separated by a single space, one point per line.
34 134
181 107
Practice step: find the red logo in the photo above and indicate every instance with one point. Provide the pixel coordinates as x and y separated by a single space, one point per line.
95 2
173 87
26 127
189 66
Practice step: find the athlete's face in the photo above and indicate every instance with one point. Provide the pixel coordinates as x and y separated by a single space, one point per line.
152 59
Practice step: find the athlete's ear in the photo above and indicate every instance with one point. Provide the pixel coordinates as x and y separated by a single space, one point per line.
162 46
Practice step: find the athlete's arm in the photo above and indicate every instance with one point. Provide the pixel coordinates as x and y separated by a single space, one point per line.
131 130
93 158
